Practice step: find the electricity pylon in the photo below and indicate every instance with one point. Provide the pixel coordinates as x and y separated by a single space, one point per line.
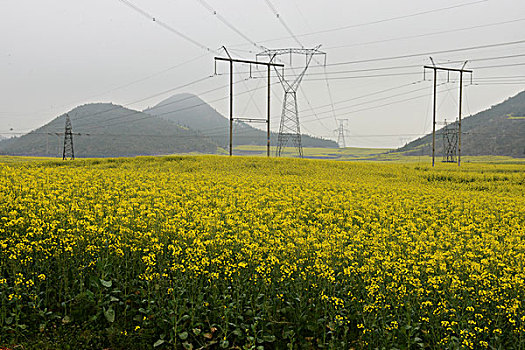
289 127
68 141
341 132
450 142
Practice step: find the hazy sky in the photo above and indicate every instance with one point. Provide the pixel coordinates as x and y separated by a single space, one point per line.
57 54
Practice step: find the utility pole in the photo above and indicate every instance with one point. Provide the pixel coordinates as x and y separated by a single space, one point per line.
289 128
68 141
249 120
341 132
448 70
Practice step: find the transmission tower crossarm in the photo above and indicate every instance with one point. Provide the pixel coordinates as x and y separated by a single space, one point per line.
448 69
287 51
235 60
310 53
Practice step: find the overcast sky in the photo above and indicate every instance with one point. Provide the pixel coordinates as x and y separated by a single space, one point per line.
58 54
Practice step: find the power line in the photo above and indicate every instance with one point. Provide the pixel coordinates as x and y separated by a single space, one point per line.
295 37
151 96
428 53
396 18
170 90
329 94
381 135
372 101
274 10
311 109
407 73
169 103
426 34
184 85
165 26
397 66
200 104
366 76
371 94
379 106
150 76
500 66
165 104
130 83
199 133
228 24
501 83
220 99
502 77
177 110
57 133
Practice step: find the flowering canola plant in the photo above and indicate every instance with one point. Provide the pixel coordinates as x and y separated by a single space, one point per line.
252 253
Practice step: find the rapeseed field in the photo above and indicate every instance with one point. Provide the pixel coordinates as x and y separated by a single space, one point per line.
251 253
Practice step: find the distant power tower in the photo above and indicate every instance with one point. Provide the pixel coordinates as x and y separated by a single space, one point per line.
289 127
341 132
450 142
68 141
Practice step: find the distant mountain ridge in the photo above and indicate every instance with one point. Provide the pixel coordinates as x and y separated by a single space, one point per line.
191 111
490 132
107 130
184 123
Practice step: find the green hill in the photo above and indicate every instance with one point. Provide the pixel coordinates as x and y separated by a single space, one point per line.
107 130
497 131
191 111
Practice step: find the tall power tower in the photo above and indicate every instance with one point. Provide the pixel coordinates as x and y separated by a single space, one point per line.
68 141
341 132
450 142
289 127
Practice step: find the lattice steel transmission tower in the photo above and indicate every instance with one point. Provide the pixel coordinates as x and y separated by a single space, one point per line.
68 140
450 142
289 127
341 132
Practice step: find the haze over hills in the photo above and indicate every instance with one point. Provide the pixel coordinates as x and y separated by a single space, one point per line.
107 130
495 131
191 111
184 123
